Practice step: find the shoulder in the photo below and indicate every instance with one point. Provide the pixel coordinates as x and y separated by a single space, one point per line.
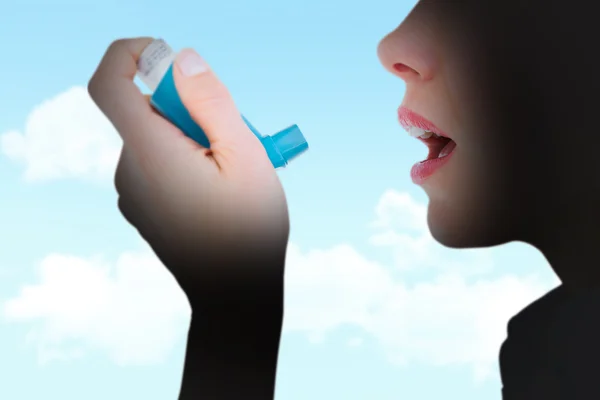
557 337
523 354
574 340
537 314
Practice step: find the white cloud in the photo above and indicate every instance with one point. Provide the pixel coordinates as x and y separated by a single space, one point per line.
64 137
355 342
135 310
132 308
457 316
401 225
400 210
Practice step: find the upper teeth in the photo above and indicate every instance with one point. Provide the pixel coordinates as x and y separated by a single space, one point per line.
422 133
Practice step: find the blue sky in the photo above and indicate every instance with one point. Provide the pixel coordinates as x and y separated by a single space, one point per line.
375 309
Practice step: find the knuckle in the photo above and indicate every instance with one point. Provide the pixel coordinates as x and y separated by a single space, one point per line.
92 88
119 173
121 205
209 104
207 88
215 95
95 84
118 181
219 90
117 46
125 210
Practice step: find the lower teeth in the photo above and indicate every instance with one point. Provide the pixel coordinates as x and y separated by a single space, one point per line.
446 150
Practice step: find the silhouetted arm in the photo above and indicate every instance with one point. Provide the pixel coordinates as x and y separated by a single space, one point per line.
234 335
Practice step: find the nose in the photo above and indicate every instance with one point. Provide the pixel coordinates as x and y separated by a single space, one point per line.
408 53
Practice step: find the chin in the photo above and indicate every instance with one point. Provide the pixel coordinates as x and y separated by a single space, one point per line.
464 226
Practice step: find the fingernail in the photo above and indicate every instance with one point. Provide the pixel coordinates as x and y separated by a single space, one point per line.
190 63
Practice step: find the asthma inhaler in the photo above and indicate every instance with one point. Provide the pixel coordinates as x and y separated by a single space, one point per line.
155 69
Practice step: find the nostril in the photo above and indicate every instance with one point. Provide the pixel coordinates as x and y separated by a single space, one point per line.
403 68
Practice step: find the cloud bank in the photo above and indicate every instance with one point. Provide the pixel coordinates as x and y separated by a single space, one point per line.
131 307
455 315
134 310
64 137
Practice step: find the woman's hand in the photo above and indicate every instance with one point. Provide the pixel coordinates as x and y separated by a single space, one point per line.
217 219
191 204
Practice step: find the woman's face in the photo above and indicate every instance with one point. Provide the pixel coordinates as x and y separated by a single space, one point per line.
471 72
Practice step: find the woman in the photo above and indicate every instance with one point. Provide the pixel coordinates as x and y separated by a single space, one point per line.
508 90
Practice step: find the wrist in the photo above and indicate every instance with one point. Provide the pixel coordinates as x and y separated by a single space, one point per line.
247 266
234 334
206 260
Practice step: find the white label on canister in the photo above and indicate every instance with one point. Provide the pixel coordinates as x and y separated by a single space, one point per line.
154 62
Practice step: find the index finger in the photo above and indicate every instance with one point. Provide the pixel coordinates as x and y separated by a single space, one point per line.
113 90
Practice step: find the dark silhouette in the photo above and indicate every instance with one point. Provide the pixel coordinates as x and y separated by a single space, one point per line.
514 84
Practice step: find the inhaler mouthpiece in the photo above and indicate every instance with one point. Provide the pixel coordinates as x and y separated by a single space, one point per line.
155 70
290 142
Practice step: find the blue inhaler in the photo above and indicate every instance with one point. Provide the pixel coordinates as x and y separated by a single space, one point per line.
155 69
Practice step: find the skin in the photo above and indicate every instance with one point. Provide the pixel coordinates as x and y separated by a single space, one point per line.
158 164
510 81
520 172
217 219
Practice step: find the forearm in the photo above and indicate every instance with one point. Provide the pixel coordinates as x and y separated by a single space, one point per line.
234 335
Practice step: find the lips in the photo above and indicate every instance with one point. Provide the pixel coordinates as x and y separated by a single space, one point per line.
441 146
409 118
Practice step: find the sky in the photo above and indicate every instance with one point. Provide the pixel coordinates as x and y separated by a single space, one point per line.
375 308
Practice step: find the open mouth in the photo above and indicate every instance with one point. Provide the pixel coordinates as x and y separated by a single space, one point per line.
440 145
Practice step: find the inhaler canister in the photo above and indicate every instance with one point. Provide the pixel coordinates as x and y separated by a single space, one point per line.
155 70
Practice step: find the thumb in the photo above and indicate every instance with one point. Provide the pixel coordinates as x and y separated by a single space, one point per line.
211 105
